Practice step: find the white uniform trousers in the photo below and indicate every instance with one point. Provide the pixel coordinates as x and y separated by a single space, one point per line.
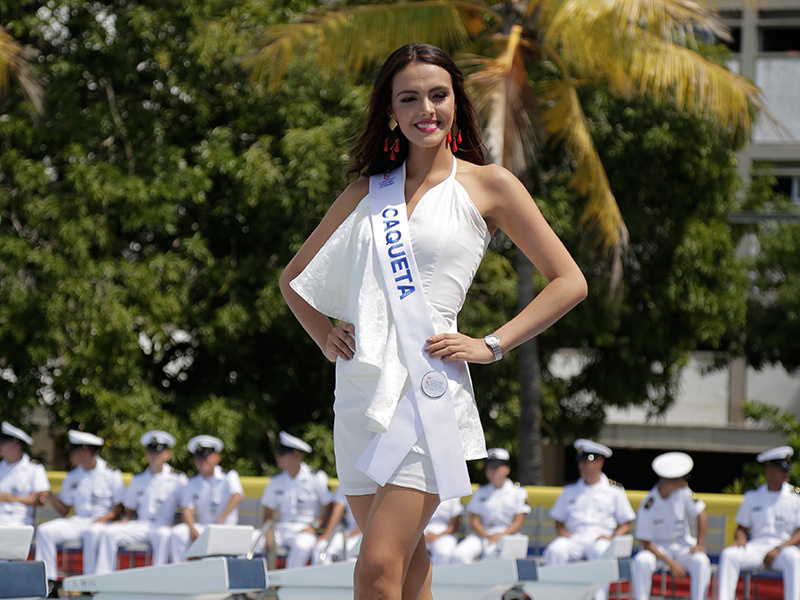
52 533
298 542
563 550
180 538
442 548
470 549
696 564
327 552
751 556
107 540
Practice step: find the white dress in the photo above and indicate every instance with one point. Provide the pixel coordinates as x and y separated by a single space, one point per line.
343 281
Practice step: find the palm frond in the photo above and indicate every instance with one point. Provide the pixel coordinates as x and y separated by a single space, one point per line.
356 37
659 17
501 91
13 63
566 123
651 58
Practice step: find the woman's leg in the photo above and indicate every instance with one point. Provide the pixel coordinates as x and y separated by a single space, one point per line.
393 563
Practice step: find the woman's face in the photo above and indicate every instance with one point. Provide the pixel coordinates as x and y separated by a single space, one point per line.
423 103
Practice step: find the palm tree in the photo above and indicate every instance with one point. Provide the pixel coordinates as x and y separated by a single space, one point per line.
642 48
13 63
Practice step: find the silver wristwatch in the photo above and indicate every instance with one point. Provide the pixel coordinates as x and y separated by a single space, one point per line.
494 345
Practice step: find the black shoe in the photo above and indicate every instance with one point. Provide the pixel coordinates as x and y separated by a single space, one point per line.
53 587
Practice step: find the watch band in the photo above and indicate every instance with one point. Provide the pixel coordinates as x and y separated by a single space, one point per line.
493 342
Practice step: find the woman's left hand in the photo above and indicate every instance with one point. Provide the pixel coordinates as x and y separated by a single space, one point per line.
457 346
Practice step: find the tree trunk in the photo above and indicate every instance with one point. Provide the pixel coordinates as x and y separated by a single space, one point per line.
530 387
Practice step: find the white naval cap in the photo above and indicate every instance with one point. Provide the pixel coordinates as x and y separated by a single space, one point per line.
157 440
82 438
205 444
672 465
499 455
780 457
293 443
8 430
589 450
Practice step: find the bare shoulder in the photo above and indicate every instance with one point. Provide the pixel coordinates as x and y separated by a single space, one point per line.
353 194
497 193
483 179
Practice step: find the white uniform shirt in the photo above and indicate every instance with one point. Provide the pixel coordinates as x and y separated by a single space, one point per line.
20 479
497 507
445 512
299 499
92 493
155 497
770 515
209 496
666 520
593 510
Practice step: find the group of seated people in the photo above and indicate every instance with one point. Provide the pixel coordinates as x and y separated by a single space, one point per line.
298 504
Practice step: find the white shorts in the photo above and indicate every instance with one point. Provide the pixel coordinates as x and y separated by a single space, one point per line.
351 437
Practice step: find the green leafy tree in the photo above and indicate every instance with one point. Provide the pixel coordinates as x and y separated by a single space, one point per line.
637 48
773 319
145 218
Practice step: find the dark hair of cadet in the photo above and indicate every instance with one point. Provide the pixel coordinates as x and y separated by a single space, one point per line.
367 156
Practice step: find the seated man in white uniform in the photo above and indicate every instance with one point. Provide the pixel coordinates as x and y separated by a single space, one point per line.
770 517
23 482
93 490
590 512
496 509
335 543
151 502
296 502
663 526
212 497
440 533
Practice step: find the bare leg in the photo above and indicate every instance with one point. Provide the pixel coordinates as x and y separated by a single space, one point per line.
390 564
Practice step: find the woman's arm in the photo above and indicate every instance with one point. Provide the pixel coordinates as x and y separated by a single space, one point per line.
505 204
335 342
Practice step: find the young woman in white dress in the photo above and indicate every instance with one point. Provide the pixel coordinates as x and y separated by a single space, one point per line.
417 110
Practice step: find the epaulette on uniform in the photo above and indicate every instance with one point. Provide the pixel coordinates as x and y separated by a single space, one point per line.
649 502
694 497
616 484
796 490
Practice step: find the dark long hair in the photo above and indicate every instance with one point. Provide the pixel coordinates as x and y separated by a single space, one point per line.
367 156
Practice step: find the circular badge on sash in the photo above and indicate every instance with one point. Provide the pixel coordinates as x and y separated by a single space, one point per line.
434 384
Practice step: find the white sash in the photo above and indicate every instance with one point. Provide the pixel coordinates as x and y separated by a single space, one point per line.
427 406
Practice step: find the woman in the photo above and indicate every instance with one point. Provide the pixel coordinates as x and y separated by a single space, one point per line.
454 203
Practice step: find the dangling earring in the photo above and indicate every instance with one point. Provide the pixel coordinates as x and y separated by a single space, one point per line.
392 143
454 136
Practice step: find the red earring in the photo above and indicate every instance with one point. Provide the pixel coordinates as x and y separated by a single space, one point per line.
454 136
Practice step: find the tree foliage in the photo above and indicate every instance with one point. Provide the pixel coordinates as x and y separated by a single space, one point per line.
773 317
145 218
684 288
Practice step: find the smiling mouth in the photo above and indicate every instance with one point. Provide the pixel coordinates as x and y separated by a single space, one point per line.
427 126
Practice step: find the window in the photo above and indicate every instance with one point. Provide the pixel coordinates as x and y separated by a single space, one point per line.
733 21
779 31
